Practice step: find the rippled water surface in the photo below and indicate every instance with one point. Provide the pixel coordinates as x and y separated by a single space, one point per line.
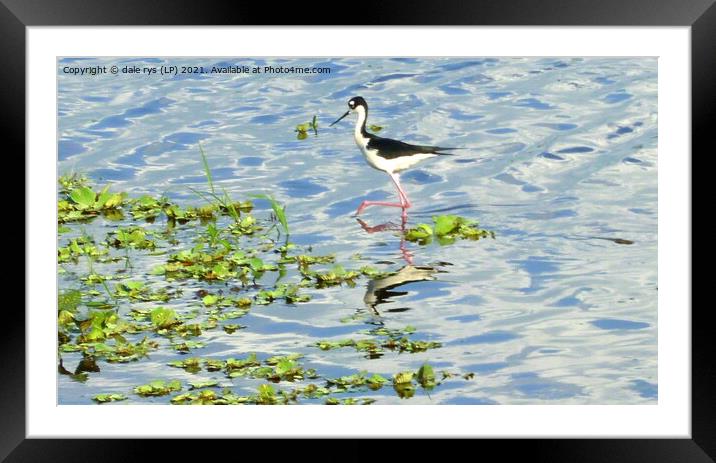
561 161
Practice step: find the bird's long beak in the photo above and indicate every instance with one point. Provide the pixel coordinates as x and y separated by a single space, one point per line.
338 120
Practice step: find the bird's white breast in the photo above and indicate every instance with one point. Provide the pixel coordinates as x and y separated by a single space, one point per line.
371 156
398 164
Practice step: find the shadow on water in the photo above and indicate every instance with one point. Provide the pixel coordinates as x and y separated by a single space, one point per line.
381 290
384 288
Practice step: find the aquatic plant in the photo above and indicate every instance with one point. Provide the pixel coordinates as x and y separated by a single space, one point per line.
447 229
78 247
71 181
388 339
426 376
227 263
104 398
278 210
158 388
82 203
131 237
302 129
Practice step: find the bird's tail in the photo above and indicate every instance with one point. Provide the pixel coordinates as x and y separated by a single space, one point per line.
440 150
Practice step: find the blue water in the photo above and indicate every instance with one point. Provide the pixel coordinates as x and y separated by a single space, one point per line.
561 159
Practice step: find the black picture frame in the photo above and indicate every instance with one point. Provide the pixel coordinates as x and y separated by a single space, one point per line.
700 15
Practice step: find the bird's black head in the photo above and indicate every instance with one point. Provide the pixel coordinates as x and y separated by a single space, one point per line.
356 101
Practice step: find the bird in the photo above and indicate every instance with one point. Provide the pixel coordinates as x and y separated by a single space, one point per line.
387 155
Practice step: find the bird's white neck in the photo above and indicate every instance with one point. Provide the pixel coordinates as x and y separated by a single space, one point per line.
360 123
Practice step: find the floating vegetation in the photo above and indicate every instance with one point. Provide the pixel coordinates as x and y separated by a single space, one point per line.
357 381
83 203
266 395
148 208
163 318
131 237
138 291
232 328
335 276
375 349
157 388
116 351
191 365
349 401
394 340
403 384
78 247
446 229
375 128
302 129
186 346
288 292
145 275
274 369
210 264
72 181
203 384
103 398
426 376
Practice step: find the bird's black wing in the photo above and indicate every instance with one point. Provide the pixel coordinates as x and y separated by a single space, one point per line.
391 149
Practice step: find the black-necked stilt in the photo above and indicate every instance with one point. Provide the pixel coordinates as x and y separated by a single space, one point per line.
390 156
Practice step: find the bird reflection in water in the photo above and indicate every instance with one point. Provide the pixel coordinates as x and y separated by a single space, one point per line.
382 289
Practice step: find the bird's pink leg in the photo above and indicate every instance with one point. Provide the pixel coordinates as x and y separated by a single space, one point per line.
365 204
403 197
401 193
404 202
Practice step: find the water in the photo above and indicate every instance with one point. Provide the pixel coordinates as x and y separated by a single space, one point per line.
562 160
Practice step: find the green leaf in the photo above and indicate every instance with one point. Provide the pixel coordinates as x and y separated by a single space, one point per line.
163 318
376 381
69 300
203 384
103 196
421 232
83 196
210 299
284 366
426 376
113 201
103 398
256 263
446 224
267 394
403 377
157 388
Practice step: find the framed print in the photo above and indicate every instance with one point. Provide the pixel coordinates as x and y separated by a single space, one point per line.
449 219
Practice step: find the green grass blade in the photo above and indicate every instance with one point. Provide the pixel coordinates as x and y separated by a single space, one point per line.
279 210
207 171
